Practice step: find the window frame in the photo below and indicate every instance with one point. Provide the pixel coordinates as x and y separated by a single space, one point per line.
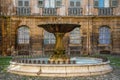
49 37
23 3
49 4
23 38
75 2
104 38
111 3
57 6
42 5
75 33
96 3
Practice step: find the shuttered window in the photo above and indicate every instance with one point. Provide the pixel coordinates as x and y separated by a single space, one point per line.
58 3
75 3
71 3
23 7
49 3
78 3
95 3
105 3
26 3
114 3
40 3
20 3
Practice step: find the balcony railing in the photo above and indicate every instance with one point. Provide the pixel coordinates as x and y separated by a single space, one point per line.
75 11
105 11
49 11
23 11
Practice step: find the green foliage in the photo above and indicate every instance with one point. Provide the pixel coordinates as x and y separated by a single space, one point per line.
5 60
114 59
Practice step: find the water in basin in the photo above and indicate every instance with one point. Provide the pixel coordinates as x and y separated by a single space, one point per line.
79 60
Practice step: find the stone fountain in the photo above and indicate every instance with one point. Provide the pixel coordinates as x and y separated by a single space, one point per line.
59 64
59 30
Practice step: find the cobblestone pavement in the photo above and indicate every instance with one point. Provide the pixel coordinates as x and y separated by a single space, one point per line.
114 75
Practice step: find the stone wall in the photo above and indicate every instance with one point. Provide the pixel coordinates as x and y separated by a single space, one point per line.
89 32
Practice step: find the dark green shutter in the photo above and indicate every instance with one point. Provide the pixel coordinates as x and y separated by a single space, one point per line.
40 3
96 2
58 3
26 3
114 3
20 3
77 3
72 4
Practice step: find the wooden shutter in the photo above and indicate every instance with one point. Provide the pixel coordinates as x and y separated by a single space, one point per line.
58 3
40 3
114 3
96 2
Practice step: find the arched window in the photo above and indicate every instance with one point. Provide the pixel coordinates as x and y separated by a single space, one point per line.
75 37
104 35
23 35
49 38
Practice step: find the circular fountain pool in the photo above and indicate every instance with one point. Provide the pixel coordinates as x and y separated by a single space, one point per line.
77 66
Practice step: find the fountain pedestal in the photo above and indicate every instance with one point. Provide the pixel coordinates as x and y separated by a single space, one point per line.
59 52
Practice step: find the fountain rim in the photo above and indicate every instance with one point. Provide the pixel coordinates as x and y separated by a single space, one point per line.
76 64
63 23
59 23
32 64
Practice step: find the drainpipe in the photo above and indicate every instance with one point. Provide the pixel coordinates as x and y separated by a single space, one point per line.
88 32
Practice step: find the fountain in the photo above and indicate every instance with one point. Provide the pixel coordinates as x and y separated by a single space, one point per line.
59 64
59 31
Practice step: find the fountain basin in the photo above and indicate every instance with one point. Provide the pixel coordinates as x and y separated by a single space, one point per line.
95 66
59 27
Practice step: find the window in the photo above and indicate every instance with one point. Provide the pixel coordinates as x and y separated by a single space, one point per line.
95 3
23 35
105 3
49 38
104 35
23 7
58 3
114 3
75 37
40 3
49 3
26 3
22 3
75 3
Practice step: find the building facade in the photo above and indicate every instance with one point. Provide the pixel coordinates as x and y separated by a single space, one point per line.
99 31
